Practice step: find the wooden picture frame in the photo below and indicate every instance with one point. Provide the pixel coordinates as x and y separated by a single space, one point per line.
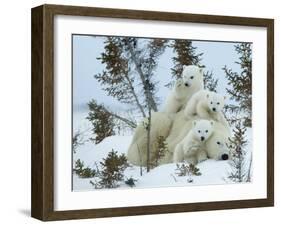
42 203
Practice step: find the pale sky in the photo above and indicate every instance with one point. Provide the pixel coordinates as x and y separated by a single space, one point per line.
85 65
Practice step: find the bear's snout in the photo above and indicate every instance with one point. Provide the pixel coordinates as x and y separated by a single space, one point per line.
224 157
186 84
214 109
202 138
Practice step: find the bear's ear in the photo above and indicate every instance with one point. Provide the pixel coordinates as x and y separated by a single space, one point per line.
224 97
212 122
201 70
208 95
183 67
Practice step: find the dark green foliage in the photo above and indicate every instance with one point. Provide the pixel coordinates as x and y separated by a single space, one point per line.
102 121
115 78
129 65
237 151
161 151
129 68
79 165
184 169
185 55
148 64
241 86
77 141
194 170
87 172
209 82
112 170
131 182
83 172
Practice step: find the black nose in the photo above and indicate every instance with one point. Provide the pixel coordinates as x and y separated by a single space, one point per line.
202 138
186 84
224 156
214 109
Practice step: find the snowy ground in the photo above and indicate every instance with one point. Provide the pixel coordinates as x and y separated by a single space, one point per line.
213 172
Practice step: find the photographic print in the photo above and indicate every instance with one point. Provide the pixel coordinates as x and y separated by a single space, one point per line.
152 112
129 105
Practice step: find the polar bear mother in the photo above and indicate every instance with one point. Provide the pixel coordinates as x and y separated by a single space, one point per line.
160 127
161 122
190 83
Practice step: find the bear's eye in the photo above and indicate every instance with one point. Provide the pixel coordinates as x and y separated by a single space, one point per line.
199 131
218 142
211 102
218 103
206 131
191 77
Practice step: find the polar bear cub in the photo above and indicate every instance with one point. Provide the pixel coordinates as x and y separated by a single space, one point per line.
206 105
191 148
184 88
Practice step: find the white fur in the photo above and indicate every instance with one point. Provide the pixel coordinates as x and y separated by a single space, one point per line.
160 126
191 82
181 128
191 148
217 144
178 131
206 105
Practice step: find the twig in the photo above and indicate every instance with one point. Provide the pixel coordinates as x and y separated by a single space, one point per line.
140 160
127 121
174 177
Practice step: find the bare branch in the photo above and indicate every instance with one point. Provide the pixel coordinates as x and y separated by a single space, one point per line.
127 121
135 95
148 95
249 170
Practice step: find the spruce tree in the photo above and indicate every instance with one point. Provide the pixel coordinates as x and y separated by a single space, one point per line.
82 171
102 121
116 79
112 170
77 140
130 64
185 169
237 146
162 149
210 83
185 54
241 86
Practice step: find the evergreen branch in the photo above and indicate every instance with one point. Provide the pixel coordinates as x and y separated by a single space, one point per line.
116 78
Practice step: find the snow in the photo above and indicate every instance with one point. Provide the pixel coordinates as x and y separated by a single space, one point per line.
213 172
91 153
